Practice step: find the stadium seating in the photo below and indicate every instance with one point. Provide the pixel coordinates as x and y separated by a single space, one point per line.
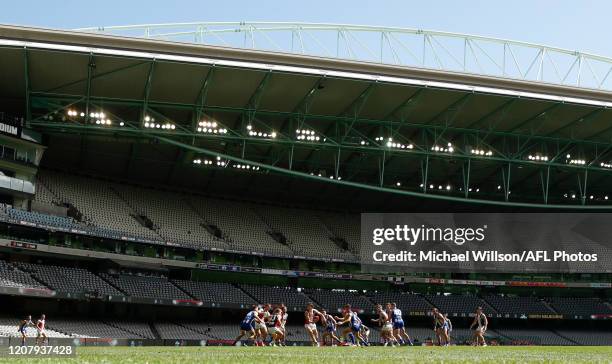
459 304
333 300
587 337
68 279
211 331
518 305
534 337
305 233
98 202
138 329
9 325
344 226
406 302
148 287
117 210
41 219
13 277
168 211
89 328
293 299
214 292
82 281
197 330
171 331
579 306
232 218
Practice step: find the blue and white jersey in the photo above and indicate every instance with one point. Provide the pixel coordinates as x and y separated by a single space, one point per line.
396 316
24 324
355 320
249 318
331 323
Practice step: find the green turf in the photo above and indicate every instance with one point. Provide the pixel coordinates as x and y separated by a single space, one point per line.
237 355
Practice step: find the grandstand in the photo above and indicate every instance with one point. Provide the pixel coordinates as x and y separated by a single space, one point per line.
157 189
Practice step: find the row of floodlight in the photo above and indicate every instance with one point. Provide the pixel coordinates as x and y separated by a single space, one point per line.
573 195
439 187
98 118
261 134
219 162
212 127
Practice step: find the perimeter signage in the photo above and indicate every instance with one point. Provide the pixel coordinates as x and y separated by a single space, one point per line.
487 242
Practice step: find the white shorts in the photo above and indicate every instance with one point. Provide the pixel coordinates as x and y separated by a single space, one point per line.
260 326
480 329
310 327
273 330
387 327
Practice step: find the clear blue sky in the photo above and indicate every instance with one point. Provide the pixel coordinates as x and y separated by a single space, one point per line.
579 24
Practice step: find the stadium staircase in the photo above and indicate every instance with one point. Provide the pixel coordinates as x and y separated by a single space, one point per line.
565 337
499 334
141 218
210 227
111 284
194 329
41 183
154 331
15 267
183 290
246 293
138 334
549 306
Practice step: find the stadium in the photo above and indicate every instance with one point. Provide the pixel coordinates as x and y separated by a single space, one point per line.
160 180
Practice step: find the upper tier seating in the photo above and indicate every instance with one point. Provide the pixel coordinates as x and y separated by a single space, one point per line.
150 287
120 211
579 306
287 295
406 302
333 300
10 276
518 305
459 304
68 279
214 292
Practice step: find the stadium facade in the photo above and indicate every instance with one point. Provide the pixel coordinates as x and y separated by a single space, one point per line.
155 186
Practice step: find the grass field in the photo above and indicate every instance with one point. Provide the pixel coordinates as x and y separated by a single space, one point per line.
459 354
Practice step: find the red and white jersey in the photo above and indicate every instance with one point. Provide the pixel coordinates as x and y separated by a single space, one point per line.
277 320
308 317
264 315
284 320
383 318
40 324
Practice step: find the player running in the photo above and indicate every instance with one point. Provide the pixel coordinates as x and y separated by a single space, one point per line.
261 329
275 330
386 326
481 323
440 327
247 326
23 325
40 330
354 325
310 323
399 330
449 327
365 334
330 328
283 323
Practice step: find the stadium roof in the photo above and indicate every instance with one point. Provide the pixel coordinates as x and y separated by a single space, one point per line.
411 131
